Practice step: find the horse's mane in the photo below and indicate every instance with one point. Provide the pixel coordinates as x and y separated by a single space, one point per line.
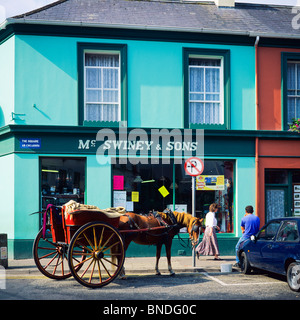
182 218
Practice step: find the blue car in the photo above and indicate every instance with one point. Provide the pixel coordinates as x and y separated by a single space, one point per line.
275 248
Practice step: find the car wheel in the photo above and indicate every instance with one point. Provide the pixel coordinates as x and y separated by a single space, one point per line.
293 276
244 262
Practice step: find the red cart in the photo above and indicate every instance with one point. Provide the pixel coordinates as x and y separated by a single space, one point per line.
86 245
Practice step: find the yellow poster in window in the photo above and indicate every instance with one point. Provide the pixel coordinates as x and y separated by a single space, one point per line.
135 196
164 192
210 182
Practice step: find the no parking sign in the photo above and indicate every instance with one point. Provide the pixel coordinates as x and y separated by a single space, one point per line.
194 166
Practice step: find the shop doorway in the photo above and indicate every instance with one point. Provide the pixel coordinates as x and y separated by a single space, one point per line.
282 193
276 202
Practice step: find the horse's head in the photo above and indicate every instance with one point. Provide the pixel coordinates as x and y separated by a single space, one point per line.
194 231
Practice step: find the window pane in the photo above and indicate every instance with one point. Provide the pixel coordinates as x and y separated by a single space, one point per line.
269 232
93 96
110 95
101 60
196 80
291 103
102 112
196 97
204 62
196 112
291 76
276 176
288 232
111 78
212 80
93 78
212 97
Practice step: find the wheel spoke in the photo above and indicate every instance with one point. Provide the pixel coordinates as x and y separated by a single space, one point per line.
99 270
95 238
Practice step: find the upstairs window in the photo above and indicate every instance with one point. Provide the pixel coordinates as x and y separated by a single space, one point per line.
102 84
206 104
206 88
293 90
102 87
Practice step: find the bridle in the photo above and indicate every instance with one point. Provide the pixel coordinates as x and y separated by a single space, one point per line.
195 228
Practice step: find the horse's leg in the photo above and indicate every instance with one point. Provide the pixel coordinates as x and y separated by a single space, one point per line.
158 252
122 274
168 252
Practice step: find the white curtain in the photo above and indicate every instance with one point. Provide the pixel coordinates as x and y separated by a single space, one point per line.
205 91
274 204
293 91
102 74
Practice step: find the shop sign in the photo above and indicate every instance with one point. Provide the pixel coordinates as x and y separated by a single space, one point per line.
30 143
137 145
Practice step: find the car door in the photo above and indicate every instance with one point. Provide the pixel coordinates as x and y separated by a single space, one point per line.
285 245
261 251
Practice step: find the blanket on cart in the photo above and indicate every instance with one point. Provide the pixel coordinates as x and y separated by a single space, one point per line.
73 207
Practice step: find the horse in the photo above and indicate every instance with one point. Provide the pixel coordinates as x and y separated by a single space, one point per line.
172 222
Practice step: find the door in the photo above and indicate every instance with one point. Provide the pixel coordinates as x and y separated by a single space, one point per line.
276 202
262 250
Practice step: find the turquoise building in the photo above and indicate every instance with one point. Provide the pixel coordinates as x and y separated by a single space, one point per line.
76 79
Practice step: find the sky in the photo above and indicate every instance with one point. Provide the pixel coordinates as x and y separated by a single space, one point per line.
9 8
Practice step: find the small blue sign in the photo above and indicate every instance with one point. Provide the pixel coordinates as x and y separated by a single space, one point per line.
31 143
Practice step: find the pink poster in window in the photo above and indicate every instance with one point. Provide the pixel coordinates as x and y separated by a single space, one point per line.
118 182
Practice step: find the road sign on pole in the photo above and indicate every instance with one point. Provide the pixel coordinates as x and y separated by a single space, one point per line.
193 166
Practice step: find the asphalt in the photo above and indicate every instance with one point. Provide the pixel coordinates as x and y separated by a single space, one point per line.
142 265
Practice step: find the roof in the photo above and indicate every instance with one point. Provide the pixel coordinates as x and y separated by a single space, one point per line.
181 15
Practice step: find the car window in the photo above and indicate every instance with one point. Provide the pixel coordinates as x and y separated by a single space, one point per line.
269 231
288 232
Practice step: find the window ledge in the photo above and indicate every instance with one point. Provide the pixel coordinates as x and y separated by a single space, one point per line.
207 126
101 123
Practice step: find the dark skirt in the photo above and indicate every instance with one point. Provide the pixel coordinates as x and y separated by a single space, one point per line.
209 245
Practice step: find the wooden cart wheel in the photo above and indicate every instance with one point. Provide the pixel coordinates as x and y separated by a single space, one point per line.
51 257
104 257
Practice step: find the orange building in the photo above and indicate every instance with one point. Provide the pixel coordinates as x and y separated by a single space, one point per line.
277 149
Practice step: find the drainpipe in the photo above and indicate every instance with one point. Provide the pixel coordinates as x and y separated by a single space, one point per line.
257 125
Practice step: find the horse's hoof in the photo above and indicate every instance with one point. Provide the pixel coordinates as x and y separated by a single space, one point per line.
158 274
123 278
172 274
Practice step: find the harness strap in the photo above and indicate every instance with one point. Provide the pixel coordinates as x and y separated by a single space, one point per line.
132 222
45 218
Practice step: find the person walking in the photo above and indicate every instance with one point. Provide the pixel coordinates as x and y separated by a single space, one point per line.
209 244
250 226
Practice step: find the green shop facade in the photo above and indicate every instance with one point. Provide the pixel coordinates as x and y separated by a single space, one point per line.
62 110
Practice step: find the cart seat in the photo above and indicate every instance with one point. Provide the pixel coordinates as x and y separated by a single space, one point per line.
73 207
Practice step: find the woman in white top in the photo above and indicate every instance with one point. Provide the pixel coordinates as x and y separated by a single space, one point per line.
209 244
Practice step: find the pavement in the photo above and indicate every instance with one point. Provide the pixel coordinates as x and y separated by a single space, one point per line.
141 265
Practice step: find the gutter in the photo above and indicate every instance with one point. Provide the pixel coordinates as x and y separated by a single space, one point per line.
11 21
257 198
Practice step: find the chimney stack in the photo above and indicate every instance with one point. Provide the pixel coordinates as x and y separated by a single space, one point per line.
225 3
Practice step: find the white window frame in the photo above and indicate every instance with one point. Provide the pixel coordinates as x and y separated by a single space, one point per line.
221 101
102 52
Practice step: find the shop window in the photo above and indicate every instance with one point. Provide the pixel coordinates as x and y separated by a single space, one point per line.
62 179
143 188
206 88
102 74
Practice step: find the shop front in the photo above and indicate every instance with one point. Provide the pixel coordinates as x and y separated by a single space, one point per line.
143 188
279 179
69 164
